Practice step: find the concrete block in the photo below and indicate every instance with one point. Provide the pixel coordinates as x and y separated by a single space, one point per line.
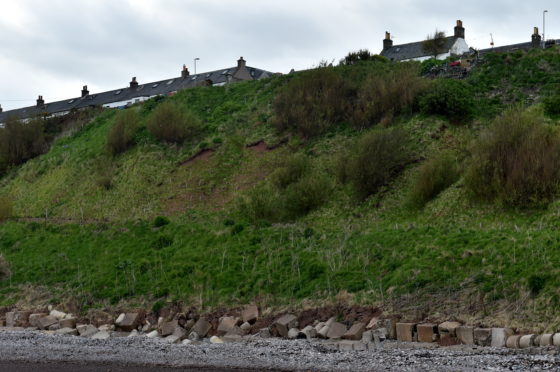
67 323
336 330
465 335
556 339
103 335
66 332
500 336
448 329
284 323
527 341
46 321
355 332
513 342
427 332
167 328
87 330
405 331
250 314
34 319
373 323
309 332
293 333
483 336
546 339
264 333
323 332
391 326
153 334
18 319
201 328
129 321
227 325
367 337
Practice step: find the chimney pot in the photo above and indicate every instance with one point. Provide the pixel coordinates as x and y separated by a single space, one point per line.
185 72
536 38
40 101
0 108
459 30
85 91
387 42
241 62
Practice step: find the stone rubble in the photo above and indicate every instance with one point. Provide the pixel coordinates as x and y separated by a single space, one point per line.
190 329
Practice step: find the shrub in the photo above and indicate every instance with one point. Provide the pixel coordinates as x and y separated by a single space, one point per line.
160 221
121 135
262 203
434 44
536 284
383 96
294 169
379 156
104 172
552 105
516 161
434 176
312 103
453 99
169 123
5 272
361 55
20 141
306 195
6 209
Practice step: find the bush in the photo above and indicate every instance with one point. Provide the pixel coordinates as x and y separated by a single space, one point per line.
434 176
5 272
20 142
169 123
383 96
552 105
104 173
160 221
379 156
312 103
294 169
361 55
306 195
516 162
121 135
6 209
453 99
263 203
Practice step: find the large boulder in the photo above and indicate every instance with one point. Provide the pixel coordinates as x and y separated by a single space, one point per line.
18 319
87 330
34 319
167 328
46 321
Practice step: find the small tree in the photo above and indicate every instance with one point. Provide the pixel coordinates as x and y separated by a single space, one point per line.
434 45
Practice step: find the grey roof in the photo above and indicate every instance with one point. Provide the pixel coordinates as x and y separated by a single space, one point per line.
162 87
513 47
412 50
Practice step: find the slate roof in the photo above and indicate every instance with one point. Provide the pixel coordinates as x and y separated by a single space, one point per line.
412 50
162 87
513 47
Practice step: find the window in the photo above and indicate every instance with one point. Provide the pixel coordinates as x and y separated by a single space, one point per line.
170 82
225 72
71 101
194 77
118 92
207 75
155 85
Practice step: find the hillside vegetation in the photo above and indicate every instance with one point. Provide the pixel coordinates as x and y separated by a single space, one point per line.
363 182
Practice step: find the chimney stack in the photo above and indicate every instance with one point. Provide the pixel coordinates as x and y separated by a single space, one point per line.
0 109
134 83
185 72
40 101
536 38
387 42
85 91
241 62
459 30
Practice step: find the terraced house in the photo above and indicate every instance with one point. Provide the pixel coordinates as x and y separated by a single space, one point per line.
137 92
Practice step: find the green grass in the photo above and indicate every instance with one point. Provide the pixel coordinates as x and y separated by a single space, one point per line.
211 254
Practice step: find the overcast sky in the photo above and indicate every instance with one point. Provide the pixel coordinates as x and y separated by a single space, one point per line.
54 47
